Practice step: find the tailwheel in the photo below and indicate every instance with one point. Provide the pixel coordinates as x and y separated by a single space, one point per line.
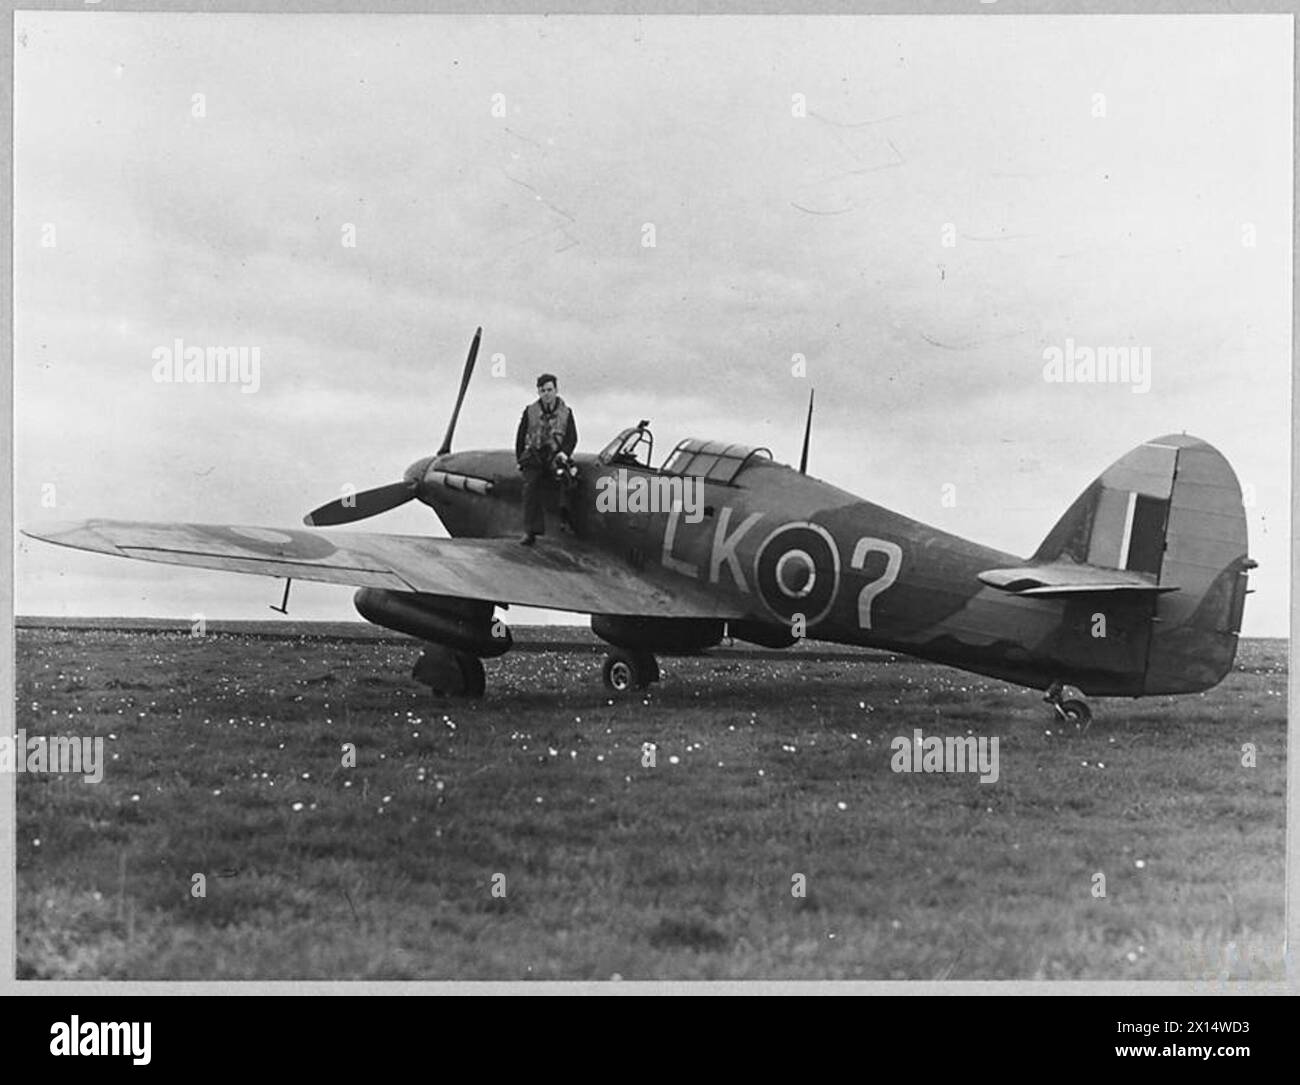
1076 712
625 671
450 673
1072 711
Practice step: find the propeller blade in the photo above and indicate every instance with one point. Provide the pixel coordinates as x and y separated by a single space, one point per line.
359 506
464 384
807 435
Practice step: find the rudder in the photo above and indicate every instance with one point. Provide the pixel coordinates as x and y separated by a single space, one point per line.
1194 638
1170 510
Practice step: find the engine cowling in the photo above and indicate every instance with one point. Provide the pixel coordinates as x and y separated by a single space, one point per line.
464 624
657 634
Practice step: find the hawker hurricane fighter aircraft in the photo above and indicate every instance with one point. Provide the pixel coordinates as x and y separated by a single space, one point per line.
1138 590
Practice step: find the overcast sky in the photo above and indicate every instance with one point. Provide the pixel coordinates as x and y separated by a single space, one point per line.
1102 179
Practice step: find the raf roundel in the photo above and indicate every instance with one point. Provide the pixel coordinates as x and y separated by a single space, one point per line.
286 545
797 570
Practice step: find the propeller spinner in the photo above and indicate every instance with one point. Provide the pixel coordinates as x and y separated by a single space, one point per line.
367 503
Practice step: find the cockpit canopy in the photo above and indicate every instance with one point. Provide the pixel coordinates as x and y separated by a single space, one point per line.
716 461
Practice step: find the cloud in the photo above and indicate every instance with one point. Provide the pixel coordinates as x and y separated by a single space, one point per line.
202 174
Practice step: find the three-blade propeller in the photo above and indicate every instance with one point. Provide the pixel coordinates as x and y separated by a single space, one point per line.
367 503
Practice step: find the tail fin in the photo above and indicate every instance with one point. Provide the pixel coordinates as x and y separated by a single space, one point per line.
1170 509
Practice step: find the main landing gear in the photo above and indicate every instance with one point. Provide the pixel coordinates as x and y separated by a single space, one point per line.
625 671
449 672
1076 712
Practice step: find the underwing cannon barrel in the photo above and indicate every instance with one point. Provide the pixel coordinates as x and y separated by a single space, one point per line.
657 634
464 624
762 633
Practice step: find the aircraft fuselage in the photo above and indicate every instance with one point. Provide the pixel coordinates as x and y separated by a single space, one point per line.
790 550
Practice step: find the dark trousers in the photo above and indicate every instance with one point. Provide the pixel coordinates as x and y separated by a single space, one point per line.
535 479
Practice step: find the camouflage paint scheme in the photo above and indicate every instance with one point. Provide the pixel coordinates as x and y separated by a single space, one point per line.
1138 589
887 581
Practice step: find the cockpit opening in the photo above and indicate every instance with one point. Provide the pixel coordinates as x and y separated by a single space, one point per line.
631 448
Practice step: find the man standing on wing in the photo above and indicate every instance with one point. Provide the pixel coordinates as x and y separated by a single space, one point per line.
546 432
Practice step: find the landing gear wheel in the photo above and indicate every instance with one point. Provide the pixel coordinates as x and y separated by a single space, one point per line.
1076 712
471 672
625 671
450 673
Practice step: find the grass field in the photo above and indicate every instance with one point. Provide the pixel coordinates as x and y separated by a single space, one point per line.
225 760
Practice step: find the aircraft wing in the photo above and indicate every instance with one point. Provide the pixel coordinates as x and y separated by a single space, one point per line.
1070 578
559 576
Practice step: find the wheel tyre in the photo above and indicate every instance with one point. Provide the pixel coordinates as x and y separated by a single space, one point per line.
623 672
438 669
473 677
1076 711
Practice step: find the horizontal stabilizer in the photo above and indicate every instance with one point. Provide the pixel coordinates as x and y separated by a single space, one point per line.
1068 578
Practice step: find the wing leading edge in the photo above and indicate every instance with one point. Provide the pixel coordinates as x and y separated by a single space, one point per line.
573 577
